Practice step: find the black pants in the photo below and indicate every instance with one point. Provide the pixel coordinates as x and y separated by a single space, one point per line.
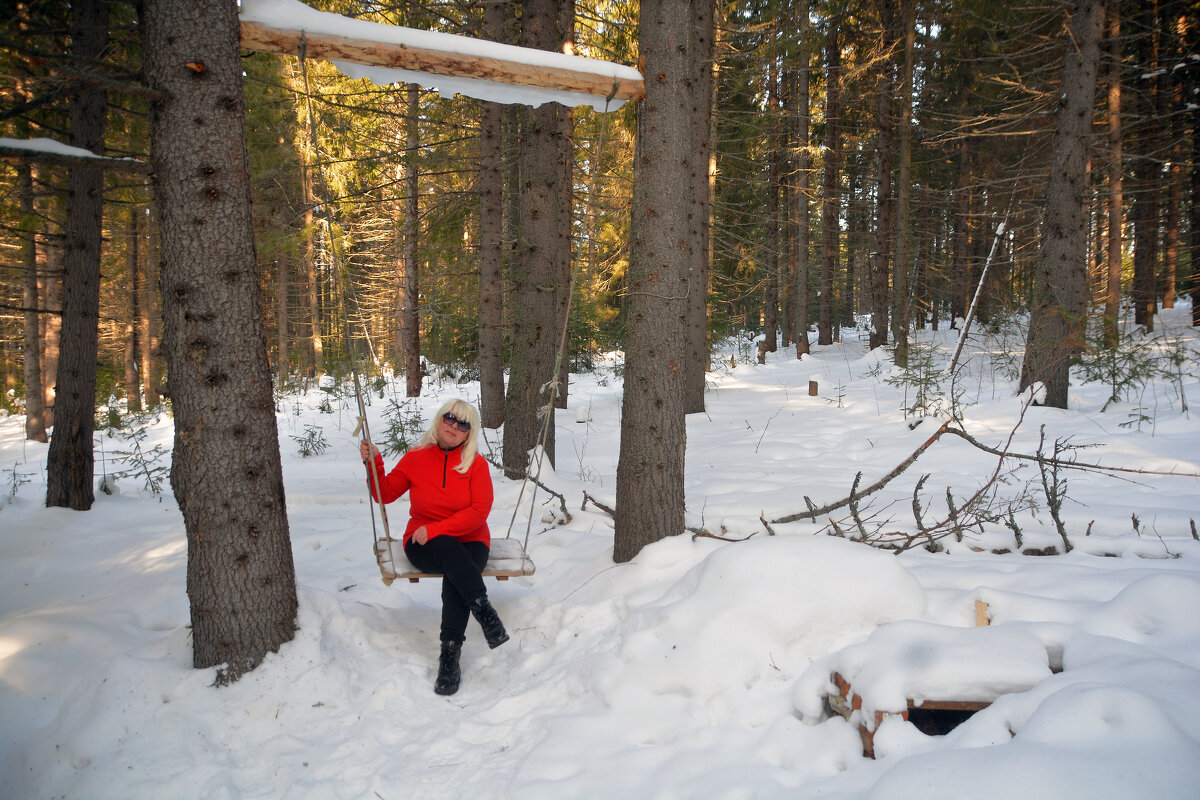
462 564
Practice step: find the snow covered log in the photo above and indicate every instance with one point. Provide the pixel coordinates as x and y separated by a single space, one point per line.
281 26
48 151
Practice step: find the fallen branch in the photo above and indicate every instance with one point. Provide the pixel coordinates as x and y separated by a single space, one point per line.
814 512
588 498
700 533
1066 464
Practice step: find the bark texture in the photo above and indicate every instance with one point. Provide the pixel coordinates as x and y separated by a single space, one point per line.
35 421
70 461
491 244
831 185
1056 326
226 471
699 200
650 472
408 294
542 257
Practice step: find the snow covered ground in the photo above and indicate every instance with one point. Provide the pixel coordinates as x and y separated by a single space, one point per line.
696 671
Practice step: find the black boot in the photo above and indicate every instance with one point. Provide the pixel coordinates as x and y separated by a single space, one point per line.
449 675
489 620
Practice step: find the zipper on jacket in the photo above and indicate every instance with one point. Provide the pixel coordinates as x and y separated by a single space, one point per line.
445 464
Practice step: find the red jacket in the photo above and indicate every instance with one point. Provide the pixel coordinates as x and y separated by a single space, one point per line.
445 501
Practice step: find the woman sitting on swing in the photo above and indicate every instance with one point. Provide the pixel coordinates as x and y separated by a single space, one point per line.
450 492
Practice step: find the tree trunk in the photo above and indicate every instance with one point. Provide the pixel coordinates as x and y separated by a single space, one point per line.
1174 196
699 199
1112 300
566 125
770 313
133 392
1057 323
151 314
35 420
1195 211
901 301
491 243
1145 210
831 187
803 182
408 343
316 347
50 292
960 270
226 471
881 267
281 317
542 254
69 463
650 471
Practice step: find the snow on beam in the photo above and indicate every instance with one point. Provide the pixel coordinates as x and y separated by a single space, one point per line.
442 61
48 151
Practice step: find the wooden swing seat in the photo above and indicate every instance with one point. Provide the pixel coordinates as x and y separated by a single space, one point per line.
507 559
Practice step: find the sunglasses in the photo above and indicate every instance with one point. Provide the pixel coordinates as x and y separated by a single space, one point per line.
461 424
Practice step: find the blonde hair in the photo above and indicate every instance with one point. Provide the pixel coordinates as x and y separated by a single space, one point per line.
467 413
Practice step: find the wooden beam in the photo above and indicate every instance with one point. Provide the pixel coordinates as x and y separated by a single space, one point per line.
130 165
256 36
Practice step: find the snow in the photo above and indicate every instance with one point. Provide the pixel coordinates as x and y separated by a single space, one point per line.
52 147
293 15
43 145
695 671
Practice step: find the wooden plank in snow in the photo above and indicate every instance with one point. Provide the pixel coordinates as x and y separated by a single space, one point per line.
256 36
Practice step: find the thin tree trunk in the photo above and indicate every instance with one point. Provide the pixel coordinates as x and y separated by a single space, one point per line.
151 313
316 347
408 298
1147 185
491 243
831 186
901 301
1174 197
881 266
133 392
542 257
1112 300
1195 211
50 292
650 470
700 170
960 270
1057 322
69 463
225 471
770 313
281 317
566 125
803 181
35 420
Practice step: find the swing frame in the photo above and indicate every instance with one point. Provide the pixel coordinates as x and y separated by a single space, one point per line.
507 559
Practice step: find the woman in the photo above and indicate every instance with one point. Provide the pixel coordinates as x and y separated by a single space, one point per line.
450 492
